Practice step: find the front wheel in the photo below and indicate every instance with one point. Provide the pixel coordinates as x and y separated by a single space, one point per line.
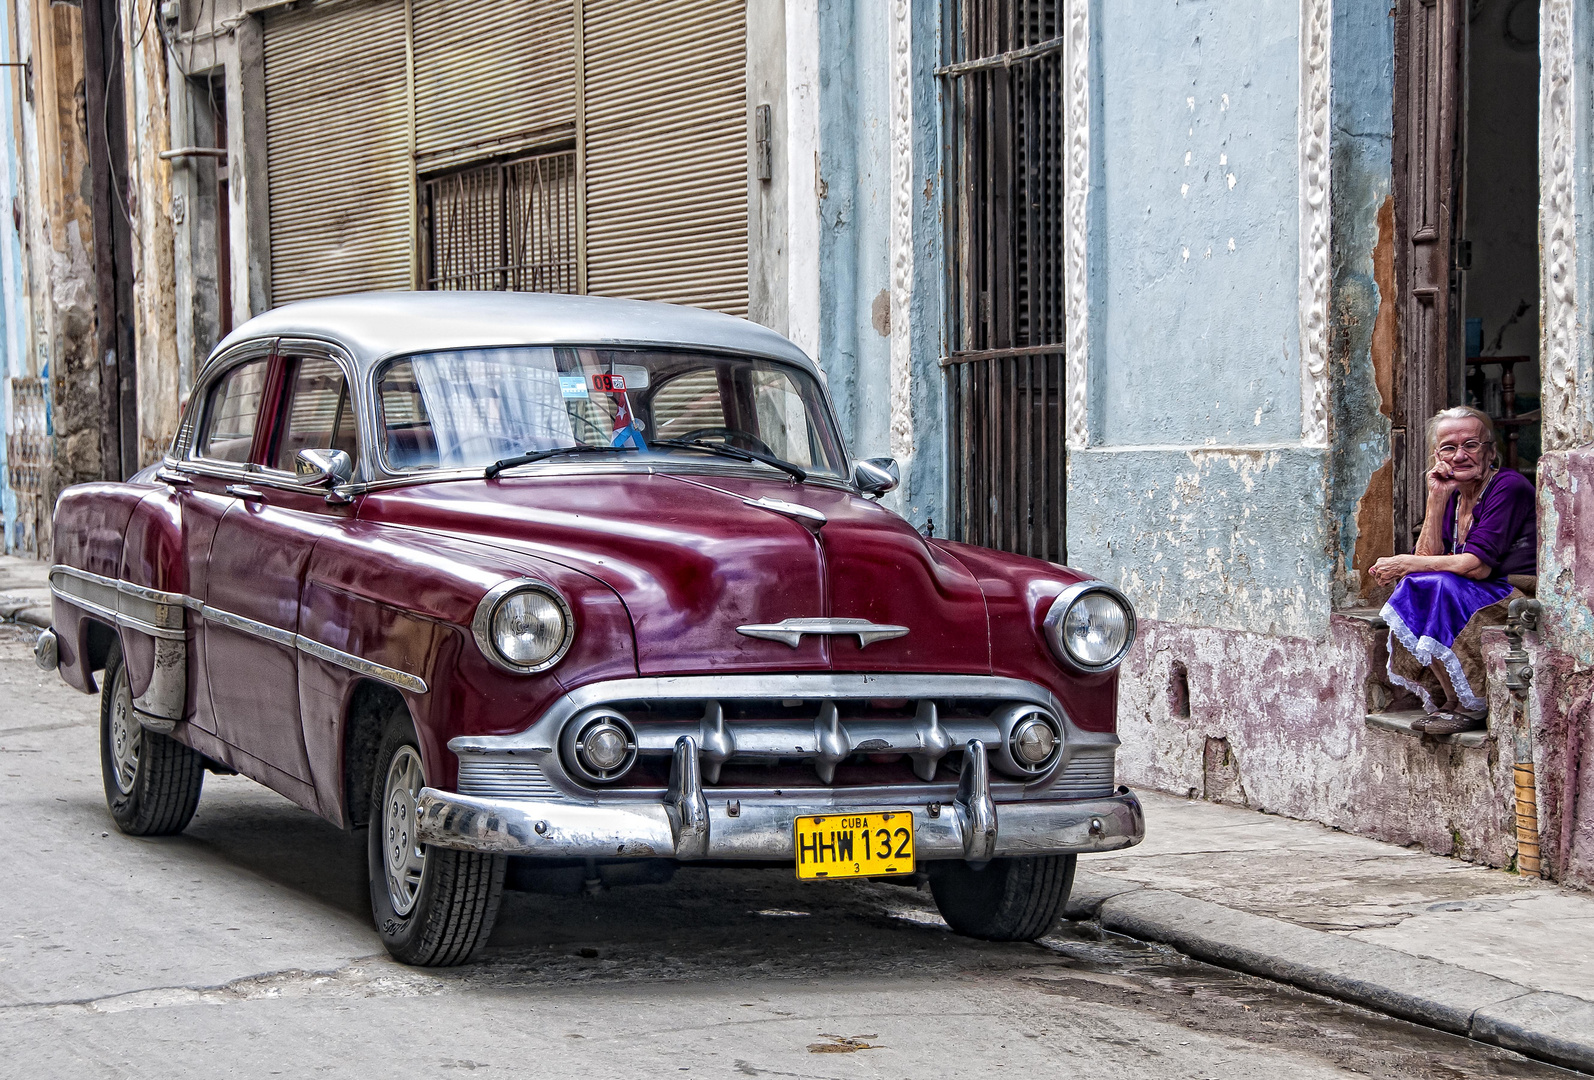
1005 900
152 781
434 907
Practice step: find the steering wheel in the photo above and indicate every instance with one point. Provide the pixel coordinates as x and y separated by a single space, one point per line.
727 434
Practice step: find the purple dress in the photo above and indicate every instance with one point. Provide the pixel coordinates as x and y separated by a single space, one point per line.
1428 610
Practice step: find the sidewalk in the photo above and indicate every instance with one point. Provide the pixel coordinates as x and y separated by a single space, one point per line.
1474 951
24 591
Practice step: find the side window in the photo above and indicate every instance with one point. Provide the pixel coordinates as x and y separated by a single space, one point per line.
688 403
319 415
231 412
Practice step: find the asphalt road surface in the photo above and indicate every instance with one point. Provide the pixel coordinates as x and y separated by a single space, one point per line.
243 948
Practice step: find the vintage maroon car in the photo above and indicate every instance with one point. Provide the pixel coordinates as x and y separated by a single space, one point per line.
563 585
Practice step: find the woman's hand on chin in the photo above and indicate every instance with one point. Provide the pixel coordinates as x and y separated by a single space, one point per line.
1442 481
1392 568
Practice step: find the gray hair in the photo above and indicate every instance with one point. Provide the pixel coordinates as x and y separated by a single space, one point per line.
1458 412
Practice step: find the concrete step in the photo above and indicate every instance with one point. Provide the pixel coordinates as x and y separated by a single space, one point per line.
1400 722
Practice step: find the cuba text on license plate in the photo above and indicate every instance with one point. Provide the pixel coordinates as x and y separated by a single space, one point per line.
854 845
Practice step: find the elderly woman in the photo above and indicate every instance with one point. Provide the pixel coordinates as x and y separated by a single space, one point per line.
1478 531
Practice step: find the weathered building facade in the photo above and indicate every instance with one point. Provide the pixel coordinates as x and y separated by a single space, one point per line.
1166 290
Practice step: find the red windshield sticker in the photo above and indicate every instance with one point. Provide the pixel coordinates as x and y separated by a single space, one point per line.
609 384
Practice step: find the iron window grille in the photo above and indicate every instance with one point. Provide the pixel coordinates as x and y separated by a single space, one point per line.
505 226
1003 95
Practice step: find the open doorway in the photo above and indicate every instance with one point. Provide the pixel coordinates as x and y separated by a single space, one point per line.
1500 210
1466 209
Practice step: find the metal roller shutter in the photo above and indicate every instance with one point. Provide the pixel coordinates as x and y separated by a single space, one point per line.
665 97
489 73
337 149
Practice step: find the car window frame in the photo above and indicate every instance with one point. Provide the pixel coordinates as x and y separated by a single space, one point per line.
204 396
291 351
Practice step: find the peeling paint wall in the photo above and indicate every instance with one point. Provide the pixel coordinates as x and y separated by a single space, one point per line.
1276 724
880 322
1362 340
1221 538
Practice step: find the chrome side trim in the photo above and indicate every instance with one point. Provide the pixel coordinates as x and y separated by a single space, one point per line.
162 615
360 666
791 631
286 638
148 611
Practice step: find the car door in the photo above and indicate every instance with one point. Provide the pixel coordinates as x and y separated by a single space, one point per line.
217 459
257 563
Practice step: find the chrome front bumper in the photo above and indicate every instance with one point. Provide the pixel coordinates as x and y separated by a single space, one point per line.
684 825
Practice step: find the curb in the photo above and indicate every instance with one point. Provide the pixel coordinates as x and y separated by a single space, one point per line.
1557 1028
25 612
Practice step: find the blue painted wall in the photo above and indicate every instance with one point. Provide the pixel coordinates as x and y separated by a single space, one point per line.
13 307
855 117
1197 496
1198 338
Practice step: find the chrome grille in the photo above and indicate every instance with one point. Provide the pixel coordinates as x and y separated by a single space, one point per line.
1087 776
497 778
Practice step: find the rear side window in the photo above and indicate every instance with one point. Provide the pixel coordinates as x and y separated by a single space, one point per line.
231 413
319 416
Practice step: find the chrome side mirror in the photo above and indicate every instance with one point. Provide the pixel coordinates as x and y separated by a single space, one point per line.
323 468
877 475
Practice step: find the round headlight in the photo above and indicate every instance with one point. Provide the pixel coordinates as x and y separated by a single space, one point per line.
524 626
1091 626
1033 741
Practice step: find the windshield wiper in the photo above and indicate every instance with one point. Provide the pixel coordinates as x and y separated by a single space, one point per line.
736 452
538 455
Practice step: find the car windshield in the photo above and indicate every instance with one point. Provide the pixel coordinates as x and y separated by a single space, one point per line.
480 407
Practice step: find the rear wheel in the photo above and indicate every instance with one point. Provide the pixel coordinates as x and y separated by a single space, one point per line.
434 907
1005 900
152 781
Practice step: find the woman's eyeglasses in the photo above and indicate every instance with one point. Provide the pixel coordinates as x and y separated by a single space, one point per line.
1471 446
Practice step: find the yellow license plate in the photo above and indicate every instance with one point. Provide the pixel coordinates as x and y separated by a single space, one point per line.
854 845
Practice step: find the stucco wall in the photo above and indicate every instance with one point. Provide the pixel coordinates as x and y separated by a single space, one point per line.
879 338
1197 128
1277 724
1196 493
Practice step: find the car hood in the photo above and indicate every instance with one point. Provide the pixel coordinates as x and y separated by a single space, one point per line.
694 557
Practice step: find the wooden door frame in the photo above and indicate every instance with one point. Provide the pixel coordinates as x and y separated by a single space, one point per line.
1429 127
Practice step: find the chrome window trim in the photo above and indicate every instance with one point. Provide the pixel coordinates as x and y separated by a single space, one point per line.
202 393
172 625
1052 626
481 624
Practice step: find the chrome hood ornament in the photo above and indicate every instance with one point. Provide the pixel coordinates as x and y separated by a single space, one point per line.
791 631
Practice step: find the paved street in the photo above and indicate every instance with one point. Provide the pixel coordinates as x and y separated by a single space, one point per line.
243 949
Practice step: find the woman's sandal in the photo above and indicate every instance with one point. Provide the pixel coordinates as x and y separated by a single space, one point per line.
1453 722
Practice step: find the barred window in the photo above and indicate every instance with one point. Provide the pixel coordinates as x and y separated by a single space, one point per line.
507 226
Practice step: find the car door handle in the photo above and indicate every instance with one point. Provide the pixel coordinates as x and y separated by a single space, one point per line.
246 493
174 478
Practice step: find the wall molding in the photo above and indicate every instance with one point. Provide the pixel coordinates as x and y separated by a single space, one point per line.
1076 201
1315 225
900 39
1558 315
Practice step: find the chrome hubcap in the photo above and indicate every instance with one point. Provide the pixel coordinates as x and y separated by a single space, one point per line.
127 735
403 854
